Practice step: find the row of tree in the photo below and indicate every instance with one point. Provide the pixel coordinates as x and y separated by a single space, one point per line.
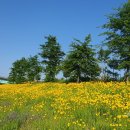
25 69
83 62
78 65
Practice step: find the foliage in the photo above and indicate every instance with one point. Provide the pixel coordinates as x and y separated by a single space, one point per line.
59 106
118 36
108 65
80 64
113 64
24 70
18 71
52 57
34 69
103 55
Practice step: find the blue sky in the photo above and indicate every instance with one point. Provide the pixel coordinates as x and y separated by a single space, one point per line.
24 23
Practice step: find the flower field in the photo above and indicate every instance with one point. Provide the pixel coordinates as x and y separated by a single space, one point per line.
60 106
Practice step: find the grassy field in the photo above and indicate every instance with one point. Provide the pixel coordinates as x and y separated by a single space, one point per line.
59 106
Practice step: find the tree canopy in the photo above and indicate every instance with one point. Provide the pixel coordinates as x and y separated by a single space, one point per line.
80 63
118 36
52 55
24 70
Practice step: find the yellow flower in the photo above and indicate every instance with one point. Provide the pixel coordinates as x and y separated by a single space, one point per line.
119 124
119 116
55 117
124 116
68 124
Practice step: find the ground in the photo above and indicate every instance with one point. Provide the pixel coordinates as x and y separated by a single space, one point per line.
60 106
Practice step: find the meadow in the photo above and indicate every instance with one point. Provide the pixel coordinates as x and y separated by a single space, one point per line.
60 106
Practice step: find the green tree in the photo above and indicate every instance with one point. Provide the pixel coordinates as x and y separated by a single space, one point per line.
18 71
113 64
33 69
118 36
103 57
52 57
80 64
24 70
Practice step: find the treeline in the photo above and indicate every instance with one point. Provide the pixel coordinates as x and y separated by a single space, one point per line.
82 62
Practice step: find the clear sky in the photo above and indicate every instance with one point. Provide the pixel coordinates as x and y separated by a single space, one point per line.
24 23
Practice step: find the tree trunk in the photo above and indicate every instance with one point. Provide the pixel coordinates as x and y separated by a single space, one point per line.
78 79
127 80
127 75
113 74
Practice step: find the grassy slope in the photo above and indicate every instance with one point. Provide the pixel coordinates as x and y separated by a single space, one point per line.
56 106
